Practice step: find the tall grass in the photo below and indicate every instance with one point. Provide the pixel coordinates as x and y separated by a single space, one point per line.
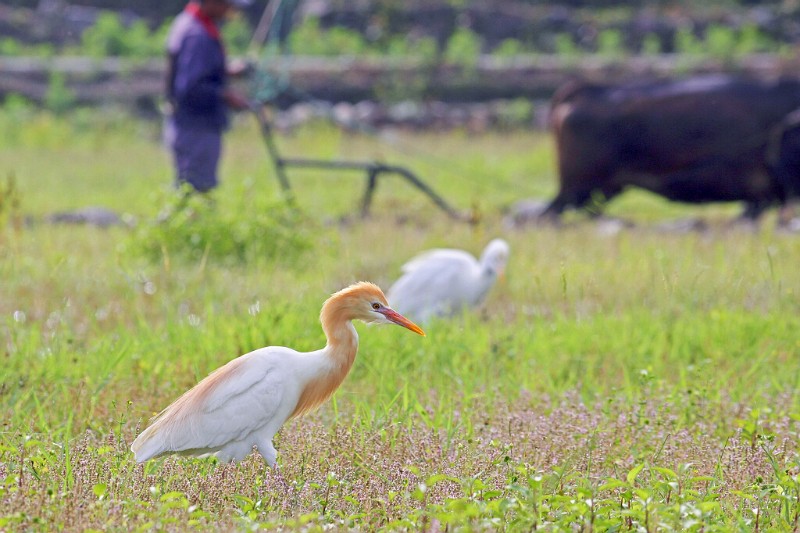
633 380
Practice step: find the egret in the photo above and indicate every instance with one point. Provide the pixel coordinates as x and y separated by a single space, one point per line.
444 281
245 402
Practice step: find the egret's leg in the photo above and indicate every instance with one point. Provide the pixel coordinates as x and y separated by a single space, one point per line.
268 451
270 455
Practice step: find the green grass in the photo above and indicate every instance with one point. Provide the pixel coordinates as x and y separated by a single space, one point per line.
642 380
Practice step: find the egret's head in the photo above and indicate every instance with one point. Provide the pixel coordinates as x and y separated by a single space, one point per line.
495 256
365 301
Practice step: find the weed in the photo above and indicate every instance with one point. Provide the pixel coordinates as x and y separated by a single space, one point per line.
10 204
195 228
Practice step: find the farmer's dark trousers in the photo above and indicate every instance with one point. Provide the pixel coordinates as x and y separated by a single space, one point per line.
196 152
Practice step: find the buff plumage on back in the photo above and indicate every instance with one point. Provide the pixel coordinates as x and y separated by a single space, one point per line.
149 444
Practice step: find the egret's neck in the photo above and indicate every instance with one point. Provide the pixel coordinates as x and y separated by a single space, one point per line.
336 318
342 343
336 361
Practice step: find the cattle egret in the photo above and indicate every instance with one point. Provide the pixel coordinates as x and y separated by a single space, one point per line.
442 282
245 402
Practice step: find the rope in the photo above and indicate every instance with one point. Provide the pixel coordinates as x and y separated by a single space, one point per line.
268 85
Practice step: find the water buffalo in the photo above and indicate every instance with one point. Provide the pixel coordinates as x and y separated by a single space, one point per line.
704 139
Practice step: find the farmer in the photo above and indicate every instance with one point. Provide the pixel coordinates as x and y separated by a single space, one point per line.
197 95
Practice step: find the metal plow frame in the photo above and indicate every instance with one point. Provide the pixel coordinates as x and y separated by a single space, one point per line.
373 171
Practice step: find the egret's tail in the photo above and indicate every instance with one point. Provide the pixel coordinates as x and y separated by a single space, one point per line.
145 447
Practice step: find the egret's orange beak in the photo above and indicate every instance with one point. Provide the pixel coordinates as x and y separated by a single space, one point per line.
395 317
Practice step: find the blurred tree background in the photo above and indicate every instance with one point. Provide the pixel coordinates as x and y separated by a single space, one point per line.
506 27
416 42
157 11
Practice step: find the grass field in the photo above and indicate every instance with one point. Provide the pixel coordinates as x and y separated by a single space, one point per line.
634 380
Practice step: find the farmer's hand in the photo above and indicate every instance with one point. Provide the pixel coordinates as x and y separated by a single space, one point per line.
239 67
235 100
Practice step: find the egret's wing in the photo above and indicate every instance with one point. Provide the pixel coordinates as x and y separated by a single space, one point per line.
433 283
437 257
232 402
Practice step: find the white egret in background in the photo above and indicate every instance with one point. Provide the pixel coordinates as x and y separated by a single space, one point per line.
245 402
442 282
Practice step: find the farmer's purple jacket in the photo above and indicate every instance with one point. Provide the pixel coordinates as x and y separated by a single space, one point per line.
196 76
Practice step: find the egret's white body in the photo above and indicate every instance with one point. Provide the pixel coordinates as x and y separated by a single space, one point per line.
442 282
245 402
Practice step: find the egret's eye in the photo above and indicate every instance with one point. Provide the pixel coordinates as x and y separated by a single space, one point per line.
376 306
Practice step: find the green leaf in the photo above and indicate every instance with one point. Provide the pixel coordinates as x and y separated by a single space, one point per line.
173 495
436 478
631 476
100 490
612 484
665 471
419 492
